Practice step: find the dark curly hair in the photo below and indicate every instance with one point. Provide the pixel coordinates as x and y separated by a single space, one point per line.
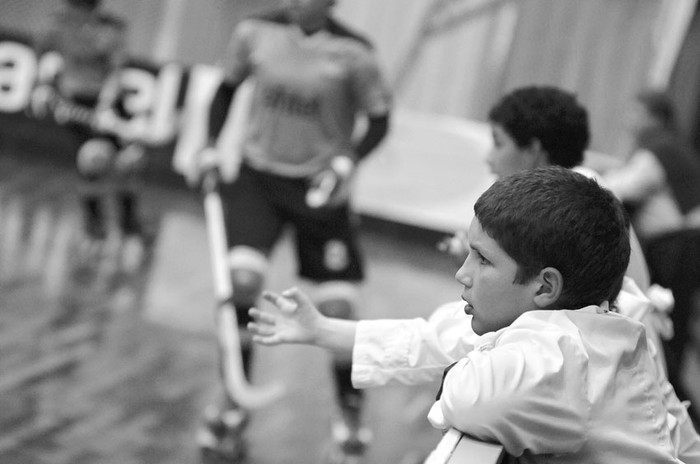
548 114
556 217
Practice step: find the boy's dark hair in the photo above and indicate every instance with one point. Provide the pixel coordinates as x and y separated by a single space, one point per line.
658 103
556 217
548 114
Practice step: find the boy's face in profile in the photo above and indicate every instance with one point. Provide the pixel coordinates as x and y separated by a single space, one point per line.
506 157
488 275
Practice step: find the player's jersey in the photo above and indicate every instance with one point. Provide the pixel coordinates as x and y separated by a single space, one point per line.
308 90
91 47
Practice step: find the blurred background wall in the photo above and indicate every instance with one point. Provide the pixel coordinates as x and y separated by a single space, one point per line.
455 57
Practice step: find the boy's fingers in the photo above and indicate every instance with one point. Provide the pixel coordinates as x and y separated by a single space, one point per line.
270 296
261 316
298 296
253 327
261 340
258 329
281 301
267 339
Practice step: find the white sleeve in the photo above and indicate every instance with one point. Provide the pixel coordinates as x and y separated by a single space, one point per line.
410 351
686 441
511 393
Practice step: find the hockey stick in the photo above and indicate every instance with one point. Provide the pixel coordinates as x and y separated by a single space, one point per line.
234 379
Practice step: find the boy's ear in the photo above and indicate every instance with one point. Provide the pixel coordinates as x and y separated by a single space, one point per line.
550 285
535 145
537 153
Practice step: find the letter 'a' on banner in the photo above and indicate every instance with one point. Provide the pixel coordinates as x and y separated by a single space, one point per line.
18 71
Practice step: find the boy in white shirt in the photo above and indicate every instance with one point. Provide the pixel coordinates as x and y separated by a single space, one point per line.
548 371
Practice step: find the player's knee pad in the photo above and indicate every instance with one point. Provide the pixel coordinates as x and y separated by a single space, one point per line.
337 299
95 157
130 159
248 267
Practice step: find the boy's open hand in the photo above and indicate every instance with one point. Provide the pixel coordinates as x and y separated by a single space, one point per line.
296 319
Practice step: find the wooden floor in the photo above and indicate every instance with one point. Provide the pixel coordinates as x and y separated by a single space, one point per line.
102 364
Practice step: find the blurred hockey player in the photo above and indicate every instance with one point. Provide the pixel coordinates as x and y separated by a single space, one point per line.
312 78
84 95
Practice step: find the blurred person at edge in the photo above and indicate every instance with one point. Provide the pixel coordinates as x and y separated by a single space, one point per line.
659 184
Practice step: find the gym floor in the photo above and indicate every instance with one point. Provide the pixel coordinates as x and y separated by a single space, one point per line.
104 362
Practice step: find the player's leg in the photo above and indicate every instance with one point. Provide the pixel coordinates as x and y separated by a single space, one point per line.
253 226
340 299
226 420
94 162
329 255
129 166
248 270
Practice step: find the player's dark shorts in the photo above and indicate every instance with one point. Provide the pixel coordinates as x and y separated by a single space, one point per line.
259 206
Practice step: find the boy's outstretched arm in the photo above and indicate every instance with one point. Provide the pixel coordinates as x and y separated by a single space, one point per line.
297 320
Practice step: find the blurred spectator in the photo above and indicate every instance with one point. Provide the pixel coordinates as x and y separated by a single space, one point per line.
660 181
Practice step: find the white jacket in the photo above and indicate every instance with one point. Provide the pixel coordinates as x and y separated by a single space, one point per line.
417 351
561 386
